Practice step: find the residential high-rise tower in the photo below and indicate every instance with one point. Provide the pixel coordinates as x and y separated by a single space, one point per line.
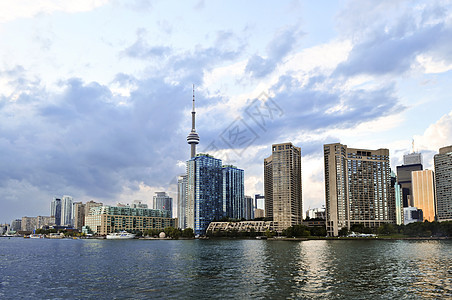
181 200
66 211
282 185
357 187
233 192
443 176
204 192
55 210
163 202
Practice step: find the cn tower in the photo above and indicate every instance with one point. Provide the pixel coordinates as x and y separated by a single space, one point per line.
193 137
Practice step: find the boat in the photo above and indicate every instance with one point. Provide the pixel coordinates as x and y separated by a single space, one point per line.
122 235
36 236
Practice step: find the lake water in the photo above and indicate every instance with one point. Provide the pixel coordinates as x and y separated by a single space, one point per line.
184 269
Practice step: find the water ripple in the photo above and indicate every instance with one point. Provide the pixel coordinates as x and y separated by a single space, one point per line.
75 269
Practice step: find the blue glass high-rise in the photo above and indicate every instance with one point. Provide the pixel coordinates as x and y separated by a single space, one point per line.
233 192
204 192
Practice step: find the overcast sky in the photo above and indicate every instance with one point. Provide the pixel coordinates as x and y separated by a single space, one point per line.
95 95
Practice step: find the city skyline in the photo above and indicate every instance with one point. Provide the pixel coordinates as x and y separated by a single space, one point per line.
93 122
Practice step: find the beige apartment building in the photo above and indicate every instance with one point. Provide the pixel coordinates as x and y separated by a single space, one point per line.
423 188
282 186
357 187
103 220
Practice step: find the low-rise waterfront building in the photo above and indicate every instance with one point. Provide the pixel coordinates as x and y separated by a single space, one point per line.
103 220
411 215
314 223
247 226
32 223
315 213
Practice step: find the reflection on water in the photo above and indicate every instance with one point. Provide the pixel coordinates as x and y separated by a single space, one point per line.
225 269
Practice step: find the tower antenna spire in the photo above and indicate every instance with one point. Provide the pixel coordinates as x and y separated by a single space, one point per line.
193 97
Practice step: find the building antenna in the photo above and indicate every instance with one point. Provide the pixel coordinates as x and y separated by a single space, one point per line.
412 143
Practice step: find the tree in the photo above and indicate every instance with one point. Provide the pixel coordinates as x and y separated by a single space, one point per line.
172 232
269 234
188 233
343 231
386 229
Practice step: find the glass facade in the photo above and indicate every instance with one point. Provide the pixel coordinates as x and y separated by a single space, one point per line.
55 210
163 202
66 211
233 192
181 200
404 179
204 192
424 193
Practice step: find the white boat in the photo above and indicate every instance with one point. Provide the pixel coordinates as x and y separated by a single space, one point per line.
36 236
122 235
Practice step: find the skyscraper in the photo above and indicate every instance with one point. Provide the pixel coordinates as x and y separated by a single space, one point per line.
282 185
411 162
397 194
55 210
443 176
424 193
395 201
181 200
78 215
193 137
204 192
163 202
233 192
259 201
357 187
412 159
66 211
249 208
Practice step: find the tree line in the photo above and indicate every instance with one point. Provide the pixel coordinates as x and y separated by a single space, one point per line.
416 229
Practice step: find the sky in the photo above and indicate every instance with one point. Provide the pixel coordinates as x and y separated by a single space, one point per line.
95 95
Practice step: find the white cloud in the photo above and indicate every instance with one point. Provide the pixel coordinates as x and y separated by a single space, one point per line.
433 66
437 135
11 10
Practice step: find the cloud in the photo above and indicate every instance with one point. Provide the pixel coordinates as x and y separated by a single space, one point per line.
82 140
437 135
187 65
282 44
142 50
11 10
389 42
